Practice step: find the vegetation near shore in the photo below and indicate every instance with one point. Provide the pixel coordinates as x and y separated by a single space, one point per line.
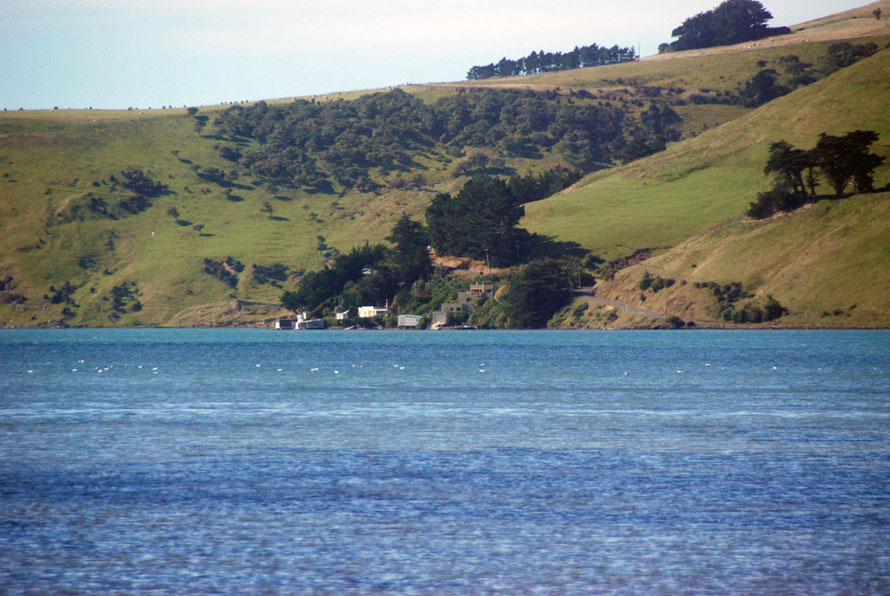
701 186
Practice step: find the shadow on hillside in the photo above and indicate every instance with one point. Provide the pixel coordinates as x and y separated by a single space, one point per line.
544 247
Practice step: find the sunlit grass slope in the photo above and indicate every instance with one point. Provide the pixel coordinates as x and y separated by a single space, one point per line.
827 263
661 200
51 164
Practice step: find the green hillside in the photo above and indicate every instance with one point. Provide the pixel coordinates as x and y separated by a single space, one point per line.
825 263
125 218
659 201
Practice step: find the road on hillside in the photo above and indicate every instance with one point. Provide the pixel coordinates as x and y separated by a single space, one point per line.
587 294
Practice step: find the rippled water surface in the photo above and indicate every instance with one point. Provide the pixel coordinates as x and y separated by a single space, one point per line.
433 462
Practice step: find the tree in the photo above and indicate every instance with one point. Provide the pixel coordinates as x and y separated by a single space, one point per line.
843 54
655 130
136 181
410 257
772 310
418 181
267 208
762 88
788 164
480 221
780 198
733 21
174 213
847 158
536 62
539 290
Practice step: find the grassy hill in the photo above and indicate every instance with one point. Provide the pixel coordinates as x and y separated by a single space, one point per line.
825 263
65 260
659 201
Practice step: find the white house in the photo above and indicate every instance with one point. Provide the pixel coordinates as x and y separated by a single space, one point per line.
342 316
368 312
304 322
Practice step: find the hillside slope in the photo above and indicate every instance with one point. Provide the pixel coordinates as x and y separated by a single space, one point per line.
659 201
826 263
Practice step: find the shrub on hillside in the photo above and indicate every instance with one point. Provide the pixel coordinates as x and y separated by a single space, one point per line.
226 271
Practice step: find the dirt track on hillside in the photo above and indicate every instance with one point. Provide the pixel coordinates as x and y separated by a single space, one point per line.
587 295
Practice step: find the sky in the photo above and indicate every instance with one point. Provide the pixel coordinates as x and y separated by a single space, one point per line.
154 53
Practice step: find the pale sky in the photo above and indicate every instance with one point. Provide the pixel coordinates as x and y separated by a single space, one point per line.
149 53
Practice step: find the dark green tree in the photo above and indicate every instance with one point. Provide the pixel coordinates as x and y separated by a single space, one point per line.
843 54
788 165
733 21
539 290
847 158
762 88
479 222
410 256
781 198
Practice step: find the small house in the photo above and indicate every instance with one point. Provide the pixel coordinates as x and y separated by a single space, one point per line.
304 322
409 321
454 307
285 323
369 312
342 316
481 289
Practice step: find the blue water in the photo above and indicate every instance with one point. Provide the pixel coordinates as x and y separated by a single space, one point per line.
226 461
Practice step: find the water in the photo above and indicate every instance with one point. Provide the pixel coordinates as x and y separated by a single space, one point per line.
231 461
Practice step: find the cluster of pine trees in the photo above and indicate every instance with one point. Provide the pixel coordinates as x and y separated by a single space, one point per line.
843 161
732 22
542 61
